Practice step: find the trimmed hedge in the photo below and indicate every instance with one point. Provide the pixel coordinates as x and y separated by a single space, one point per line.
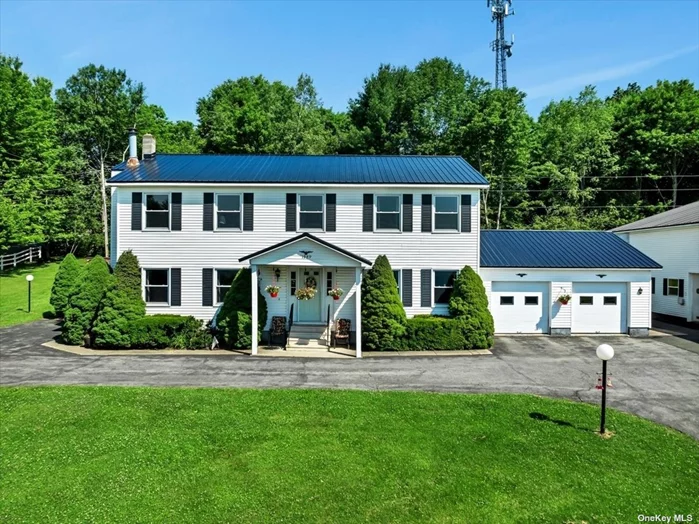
169 331
234 320
66 284
383 314
470 303
80 317
426 332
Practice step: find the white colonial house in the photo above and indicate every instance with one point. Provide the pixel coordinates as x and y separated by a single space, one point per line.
320 221
671 238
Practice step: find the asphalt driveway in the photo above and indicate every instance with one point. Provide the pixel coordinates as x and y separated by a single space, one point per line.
651 378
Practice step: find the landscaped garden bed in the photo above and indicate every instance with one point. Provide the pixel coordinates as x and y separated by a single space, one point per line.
109 454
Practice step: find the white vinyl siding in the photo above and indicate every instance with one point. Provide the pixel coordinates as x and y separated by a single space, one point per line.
193 249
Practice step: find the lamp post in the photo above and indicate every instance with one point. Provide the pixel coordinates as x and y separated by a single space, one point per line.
29 293
604 352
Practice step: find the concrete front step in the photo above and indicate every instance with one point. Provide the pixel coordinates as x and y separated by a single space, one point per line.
301 342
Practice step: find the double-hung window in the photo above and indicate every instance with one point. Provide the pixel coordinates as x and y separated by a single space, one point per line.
443 286
673 287
157 286
387 213
224 279
228 211
397 276
311 212
446 213
158 211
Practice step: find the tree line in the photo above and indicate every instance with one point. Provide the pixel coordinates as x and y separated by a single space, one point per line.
584 163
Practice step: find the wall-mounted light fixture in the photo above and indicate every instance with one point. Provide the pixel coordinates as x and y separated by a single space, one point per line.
277 272
640 291
520 275
601 275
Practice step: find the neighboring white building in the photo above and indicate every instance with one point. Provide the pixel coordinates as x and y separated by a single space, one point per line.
672 239
193 220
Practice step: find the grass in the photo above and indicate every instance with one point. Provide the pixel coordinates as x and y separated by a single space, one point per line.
13 294
106 454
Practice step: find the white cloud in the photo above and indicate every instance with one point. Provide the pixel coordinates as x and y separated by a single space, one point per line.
571 83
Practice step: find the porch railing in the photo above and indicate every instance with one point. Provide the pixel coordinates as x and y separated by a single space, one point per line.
291 323
329 327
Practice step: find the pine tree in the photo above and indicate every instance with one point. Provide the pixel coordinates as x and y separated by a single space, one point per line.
83 308
234 320
122 304
469 303
65 284
383 315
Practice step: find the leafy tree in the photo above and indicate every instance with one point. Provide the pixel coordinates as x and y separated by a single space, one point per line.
383 315
234 320
83 308
171 137
95 108
122 304
469 303
65 284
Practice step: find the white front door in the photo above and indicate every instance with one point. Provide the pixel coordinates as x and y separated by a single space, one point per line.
599 307
520 307
310 310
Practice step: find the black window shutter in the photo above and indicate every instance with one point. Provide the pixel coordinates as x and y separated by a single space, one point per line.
368 212
175 286
465 213
407 287
407 213
176 220
652 286
248 211
208 211
291 211
331 212
136 211
207 286
427 213
425 287
665 286
681 292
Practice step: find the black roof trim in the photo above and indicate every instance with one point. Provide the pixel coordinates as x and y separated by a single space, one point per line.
311 237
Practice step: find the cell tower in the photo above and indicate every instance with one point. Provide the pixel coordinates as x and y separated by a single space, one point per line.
501 9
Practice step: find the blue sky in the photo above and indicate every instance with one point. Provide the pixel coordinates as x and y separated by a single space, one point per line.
180 50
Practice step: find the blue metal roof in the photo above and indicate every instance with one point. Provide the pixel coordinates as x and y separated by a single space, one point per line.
292 169
560 249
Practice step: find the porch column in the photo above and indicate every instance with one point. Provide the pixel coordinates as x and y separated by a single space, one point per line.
358 309
253 273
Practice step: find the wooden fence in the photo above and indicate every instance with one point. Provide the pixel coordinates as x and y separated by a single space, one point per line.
11 260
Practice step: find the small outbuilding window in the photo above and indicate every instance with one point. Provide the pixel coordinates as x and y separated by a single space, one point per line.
157 286
158 211
673 286
446 213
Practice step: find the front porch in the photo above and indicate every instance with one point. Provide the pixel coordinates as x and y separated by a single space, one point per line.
308 263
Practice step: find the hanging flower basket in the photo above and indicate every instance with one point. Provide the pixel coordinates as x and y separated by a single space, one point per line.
273 290
564 299
305 293
336 293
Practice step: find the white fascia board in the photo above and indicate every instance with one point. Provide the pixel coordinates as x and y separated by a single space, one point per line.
282 185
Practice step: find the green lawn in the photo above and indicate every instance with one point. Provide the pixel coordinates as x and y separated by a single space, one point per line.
106 454
13 294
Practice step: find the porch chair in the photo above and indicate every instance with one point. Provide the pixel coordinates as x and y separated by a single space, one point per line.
277 330
342 331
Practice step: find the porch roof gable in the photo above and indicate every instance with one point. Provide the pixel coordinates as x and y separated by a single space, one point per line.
296 257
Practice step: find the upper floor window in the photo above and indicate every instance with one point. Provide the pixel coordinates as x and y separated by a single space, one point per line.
158 211
388 212
311 212
228 211
443 286
157 286
446 213
224 279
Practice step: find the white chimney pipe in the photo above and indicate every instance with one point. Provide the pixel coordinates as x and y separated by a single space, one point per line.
133 149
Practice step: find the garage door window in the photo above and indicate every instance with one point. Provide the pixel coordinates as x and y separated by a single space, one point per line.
610 301
507 301
531 301
586 301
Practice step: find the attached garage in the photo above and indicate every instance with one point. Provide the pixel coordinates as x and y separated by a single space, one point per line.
599 307
520 307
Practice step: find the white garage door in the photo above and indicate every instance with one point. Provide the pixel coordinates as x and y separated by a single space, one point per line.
599 307
520 307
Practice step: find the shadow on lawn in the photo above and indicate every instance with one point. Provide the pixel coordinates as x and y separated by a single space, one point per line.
545 418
